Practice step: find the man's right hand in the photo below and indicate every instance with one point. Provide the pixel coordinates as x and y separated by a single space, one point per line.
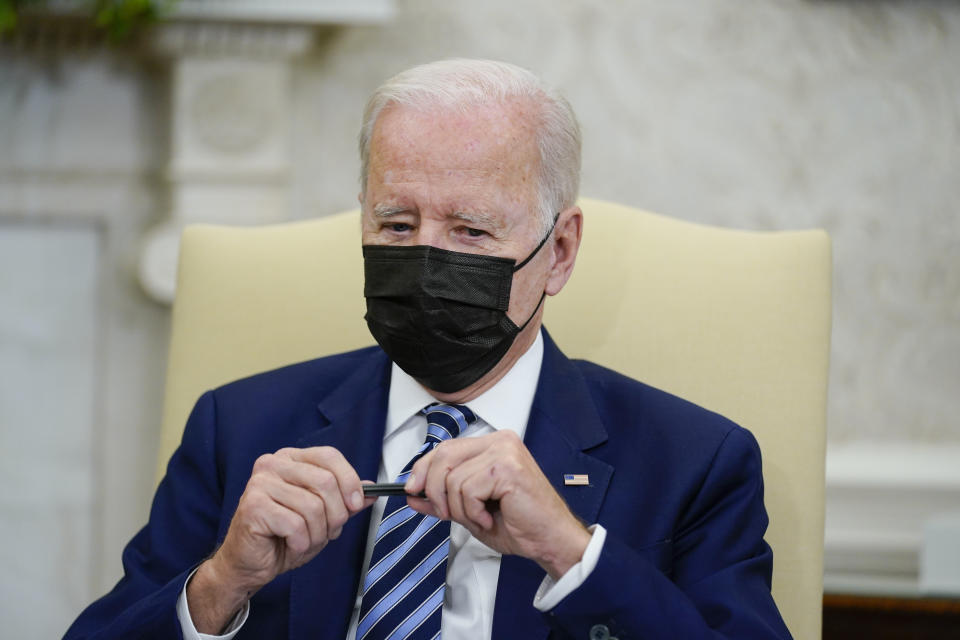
295 502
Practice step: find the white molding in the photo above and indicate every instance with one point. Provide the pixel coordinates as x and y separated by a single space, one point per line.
250 39
309 12
879 498
230 157
895 464
299 11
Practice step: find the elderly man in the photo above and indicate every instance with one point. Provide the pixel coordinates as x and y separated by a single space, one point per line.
542 497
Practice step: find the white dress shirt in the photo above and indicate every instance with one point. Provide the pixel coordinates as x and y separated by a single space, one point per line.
472 567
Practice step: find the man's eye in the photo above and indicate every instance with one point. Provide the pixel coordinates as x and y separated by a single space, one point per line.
475 233
399 227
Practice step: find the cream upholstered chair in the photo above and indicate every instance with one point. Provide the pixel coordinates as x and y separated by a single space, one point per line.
736 321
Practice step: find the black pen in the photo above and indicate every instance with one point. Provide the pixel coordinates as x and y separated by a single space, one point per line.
389 489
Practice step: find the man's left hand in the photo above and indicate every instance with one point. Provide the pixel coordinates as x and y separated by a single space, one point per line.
492 486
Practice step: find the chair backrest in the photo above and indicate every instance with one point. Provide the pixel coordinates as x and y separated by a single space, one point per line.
736 321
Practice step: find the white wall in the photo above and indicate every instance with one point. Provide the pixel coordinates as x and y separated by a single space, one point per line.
48 367
81 349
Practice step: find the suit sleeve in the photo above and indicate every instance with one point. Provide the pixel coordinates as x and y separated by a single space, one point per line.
181 532
719 567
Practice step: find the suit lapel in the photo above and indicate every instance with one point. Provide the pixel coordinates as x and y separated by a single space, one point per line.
352 420
563 424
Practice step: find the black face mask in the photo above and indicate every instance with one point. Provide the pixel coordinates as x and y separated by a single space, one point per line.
441 315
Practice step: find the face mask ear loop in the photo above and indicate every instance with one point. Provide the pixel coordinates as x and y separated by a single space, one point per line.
539 246
524 326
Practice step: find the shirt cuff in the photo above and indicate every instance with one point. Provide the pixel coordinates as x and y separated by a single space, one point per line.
186 622
551 591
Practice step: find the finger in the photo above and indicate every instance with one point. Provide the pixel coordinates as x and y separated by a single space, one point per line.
319 481
476 483
288 525
367 500
416 479
289 466
477 509
422 505
455 480
429 473
502 469
478 473
445 457
304 503
459 449
333 461
435 480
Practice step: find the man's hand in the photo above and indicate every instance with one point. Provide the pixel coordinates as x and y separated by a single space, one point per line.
295 502
492 486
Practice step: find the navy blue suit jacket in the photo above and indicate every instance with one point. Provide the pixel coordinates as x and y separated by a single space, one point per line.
679 490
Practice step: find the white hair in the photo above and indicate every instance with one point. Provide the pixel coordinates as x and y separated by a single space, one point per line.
461 84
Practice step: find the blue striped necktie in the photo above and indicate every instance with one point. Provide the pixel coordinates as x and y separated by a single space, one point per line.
403 588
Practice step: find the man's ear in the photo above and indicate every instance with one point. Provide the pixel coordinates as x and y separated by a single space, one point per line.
566 243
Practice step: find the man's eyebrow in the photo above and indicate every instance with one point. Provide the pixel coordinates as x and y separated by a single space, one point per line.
388 210
476 217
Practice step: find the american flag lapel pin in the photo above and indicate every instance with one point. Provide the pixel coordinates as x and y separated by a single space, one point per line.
576 479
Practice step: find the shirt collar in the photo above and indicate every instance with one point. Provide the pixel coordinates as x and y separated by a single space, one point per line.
505 405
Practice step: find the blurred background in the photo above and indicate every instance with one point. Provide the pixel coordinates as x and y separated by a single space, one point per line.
757 114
